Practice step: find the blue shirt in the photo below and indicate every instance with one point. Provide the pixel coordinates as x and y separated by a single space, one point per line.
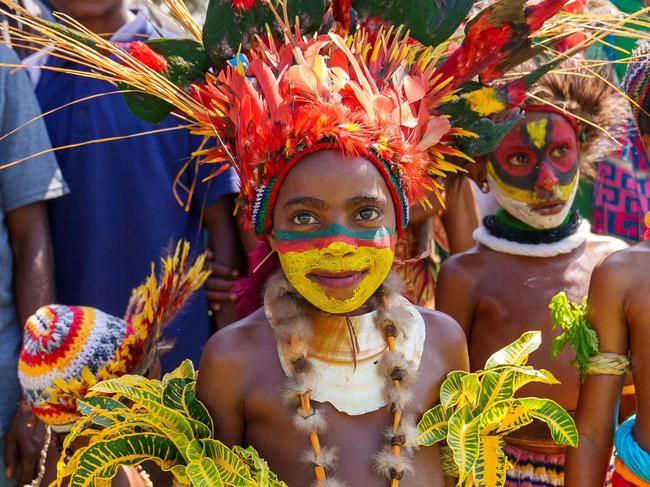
23 184
121 214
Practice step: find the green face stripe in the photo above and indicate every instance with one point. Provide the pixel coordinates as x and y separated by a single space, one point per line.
336 229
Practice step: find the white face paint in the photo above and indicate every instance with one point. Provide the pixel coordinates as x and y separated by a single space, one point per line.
523 211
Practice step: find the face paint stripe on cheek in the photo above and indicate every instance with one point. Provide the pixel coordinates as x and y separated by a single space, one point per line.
287 241
336 273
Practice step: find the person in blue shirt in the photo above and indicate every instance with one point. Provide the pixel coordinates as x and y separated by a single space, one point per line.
26 260
122 211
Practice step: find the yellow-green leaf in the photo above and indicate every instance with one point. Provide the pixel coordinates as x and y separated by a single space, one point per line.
184 371
471 390
129 450
232 469
433 426
463 439
204 473
452 389
563 428
517 352
491 466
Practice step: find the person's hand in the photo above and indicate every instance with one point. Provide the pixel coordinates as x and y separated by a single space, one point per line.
219 284
23 444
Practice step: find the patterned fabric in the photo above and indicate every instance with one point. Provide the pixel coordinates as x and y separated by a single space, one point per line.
622 189
534 469
530 469
62 343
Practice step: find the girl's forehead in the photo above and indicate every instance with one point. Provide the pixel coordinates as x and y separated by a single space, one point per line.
329 175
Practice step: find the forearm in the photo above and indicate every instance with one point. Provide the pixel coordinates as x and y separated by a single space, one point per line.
227 249
33 259
587 464
461 216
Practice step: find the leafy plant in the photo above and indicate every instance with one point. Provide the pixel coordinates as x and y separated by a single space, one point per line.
132 419
478 409
572 318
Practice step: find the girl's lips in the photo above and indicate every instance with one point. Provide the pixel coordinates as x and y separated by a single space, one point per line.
552 208
338 280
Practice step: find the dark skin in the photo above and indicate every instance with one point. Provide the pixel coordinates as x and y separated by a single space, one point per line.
33 287
496 297
240 378
98 16
227 259
618 312
460 217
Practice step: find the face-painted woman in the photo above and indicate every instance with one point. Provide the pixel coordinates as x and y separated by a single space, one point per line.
534 173
335 239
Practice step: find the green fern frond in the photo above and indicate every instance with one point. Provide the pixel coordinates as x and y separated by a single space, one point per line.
577 332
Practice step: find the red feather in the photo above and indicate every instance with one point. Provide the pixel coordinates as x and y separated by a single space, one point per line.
341 13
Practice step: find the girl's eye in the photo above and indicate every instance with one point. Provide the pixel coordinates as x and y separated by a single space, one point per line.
560 152
304 219
368 214
520 159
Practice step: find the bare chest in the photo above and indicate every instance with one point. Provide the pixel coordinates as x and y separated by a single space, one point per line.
356 440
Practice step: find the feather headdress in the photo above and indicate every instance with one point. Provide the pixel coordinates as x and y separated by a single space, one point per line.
589 100
396 95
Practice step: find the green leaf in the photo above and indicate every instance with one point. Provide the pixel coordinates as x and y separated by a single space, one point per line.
451 390
173 420
503 417
433 426
197 412
259 469
463 439
133 387
430 22
563 428
226 29
232 469
471 389
577 332
204 473
184 371
517 352
492 464
128 450
526 375
90 405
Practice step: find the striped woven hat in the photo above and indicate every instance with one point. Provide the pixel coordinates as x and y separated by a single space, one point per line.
637 78
68 349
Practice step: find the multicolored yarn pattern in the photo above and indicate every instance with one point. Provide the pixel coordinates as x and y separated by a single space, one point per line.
637 79
68 349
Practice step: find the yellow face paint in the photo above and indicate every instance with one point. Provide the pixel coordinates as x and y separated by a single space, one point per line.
537 132
563 192
336 270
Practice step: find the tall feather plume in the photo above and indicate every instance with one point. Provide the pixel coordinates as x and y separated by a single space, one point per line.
158 300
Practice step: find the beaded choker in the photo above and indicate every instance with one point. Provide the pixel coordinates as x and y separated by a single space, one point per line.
502 225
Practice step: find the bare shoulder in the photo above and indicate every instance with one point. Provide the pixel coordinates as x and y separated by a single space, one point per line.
240 340
464 260
618 269
604 245
445 337
459 270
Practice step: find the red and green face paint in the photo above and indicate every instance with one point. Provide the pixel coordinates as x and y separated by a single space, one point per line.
336 269
541 153
534 171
